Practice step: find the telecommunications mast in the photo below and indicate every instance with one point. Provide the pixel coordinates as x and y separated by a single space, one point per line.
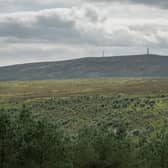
148 52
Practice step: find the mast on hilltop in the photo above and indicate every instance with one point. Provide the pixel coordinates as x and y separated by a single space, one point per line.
148 52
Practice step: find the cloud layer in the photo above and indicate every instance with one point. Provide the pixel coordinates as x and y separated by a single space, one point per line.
31 5
35 30
158 3
82 26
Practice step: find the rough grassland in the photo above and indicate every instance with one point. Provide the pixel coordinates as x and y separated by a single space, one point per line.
102 86
102 123
140 103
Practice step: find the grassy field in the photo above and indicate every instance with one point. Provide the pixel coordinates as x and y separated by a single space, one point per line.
88 123
102 86
75 103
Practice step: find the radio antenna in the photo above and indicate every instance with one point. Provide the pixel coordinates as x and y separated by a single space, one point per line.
148 52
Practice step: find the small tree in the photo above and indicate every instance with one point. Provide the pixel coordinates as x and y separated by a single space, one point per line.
6 136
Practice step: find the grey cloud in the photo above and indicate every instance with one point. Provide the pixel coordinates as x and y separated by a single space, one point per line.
47 25
76 28
67 27
57 26
82 29
157 3
31 5
91 14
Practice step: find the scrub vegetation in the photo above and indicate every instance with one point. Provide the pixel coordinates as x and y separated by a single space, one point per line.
88 123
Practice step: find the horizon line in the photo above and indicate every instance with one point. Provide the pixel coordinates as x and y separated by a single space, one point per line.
105 56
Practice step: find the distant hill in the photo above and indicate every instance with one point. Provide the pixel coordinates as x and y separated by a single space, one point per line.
91 67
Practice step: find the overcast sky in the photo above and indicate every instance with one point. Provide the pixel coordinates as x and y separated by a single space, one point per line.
47 30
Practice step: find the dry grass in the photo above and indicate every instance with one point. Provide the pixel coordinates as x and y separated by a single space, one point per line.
102 86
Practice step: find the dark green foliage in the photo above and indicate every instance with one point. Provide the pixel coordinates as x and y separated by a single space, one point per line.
34 142
30 143
85 132
5 139
99 148
155 152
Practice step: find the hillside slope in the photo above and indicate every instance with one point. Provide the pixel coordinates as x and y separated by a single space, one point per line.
121 66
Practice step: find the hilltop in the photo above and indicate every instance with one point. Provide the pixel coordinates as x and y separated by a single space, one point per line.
90 67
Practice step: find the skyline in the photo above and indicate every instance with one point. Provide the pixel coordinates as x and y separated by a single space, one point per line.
35 31
104 55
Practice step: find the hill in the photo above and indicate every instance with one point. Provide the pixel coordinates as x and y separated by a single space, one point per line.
91 67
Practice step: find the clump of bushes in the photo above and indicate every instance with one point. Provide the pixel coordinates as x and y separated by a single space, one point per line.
31 141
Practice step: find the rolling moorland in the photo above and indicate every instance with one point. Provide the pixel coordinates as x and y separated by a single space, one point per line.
84 123
119 66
